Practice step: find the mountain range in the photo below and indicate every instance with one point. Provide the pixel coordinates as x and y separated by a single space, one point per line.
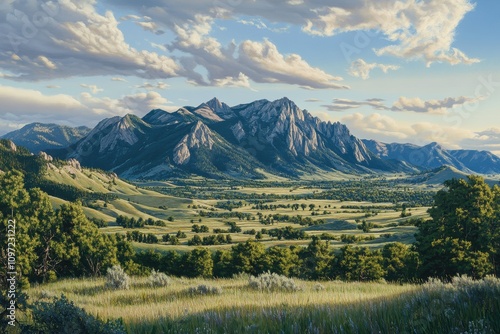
434 155
38 137
244 141
215 140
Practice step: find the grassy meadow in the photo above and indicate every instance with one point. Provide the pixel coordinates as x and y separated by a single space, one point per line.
142 201
463 306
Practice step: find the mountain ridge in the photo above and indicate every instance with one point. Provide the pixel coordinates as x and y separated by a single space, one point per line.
216 140
433 155
42 136
276 137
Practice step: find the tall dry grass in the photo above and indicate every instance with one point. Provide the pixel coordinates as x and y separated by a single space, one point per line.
462 306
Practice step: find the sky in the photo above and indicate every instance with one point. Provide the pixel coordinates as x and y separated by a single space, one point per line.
407 71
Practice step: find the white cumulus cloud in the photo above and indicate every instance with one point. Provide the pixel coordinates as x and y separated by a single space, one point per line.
93 88
75 41
361 69
414 104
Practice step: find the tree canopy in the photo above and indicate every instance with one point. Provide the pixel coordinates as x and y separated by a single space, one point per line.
463 235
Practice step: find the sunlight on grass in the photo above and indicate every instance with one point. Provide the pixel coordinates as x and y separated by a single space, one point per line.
337 307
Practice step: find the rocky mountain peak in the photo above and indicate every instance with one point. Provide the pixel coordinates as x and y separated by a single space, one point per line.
215 139
434 146
220 108
214 103
285 101
199 136
157 116
208 113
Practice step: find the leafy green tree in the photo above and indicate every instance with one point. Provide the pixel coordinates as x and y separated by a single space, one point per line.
195 241
15 209
360 264
48 243
316 259
82 250
223 263
366 226
249 257
13 195
400 261
171 263
281 260
495 233
150 259
198 262
98 253
460 237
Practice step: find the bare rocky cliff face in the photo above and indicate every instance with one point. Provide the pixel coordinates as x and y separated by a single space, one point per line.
199 136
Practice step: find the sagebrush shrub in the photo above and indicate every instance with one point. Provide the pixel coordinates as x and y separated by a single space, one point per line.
157 279
318 287
203 289
117 278
273 282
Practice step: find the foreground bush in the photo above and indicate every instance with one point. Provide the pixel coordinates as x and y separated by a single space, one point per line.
158 279
203 289
272 282
63 317
117 278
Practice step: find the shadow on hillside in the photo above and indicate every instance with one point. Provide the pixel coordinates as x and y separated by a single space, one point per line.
333 225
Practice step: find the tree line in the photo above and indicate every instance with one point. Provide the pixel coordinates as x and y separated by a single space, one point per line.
53 243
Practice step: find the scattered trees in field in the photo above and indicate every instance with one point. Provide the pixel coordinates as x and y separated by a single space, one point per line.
199 228
148 238
131 222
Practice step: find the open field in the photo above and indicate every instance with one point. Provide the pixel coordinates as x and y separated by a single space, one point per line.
252 206
335 220
318 307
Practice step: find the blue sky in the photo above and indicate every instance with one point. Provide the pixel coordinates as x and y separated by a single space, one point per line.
396 71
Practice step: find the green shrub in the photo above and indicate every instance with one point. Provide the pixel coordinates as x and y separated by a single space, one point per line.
62 316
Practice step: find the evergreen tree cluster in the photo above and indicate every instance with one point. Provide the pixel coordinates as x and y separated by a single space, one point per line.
52 243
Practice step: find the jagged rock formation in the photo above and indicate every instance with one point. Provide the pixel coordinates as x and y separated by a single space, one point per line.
45 156
216 140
